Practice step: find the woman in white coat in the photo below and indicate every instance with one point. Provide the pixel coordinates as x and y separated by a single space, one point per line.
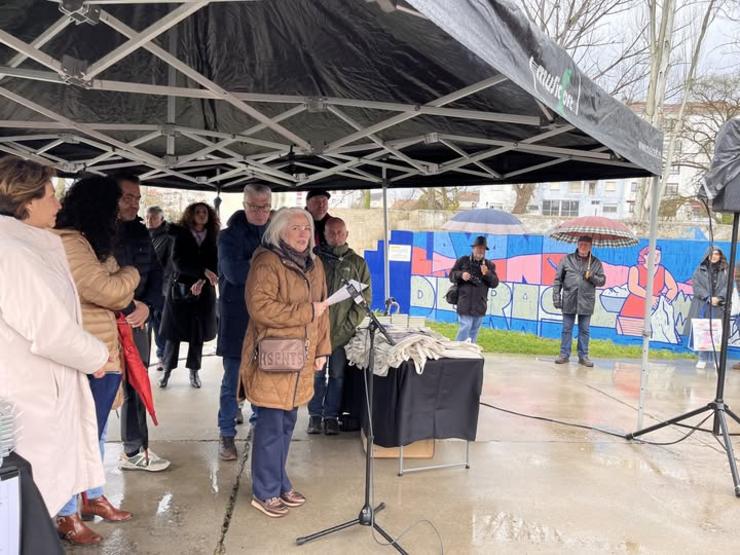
45 355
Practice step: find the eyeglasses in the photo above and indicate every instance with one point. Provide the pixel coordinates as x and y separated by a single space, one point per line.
258 207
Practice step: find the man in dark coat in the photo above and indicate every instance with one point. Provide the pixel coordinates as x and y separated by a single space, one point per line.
574 292
317 203
134 248
162 241
340 263
474 276
236 244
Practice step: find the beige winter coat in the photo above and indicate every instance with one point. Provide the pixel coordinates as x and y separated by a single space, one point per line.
104 288
44 358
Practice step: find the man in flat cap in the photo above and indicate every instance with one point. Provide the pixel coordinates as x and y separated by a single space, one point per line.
474 276
574 292
317 203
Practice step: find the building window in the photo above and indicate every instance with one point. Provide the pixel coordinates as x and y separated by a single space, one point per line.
554 186
675 170
592 187
533 208
550 207
631 206
671 189
569 208
575 187
560 207
633 186
610 209
610 186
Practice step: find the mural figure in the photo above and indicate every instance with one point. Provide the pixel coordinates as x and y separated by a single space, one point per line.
631 316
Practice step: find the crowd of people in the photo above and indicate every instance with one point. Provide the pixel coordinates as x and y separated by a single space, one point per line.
75 272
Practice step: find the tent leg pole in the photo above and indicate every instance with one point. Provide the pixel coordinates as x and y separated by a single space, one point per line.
647 325
386 240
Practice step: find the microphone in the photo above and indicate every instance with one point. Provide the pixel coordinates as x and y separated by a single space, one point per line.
318 251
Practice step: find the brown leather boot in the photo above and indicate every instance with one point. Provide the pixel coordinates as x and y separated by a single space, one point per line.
101 507
72 529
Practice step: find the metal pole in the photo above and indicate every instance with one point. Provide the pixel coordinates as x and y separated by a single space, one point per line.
172 100
386 239
647 331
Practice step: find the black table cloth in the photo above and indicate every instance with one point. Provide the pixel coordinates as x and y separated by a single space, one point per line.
440 403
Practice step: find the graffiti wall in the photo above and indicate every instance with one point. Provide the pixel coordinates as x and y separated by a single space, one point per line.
525 264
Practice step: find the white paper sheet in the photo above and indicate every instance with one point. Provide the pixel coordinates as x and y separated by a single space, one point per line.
343 294
10 516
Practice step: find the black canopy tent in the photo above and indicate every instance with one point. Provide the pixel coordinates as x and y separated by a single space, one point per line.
307 93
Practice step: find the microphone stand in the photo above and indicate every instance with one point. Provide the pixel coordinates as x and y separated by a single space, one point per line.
366 516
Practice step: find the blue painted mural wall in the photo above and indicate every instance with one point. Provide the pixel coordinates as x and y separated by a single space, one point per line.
525 264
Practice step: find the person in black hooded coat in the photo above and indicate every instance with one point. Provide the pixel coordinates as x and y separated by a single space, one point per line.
190 307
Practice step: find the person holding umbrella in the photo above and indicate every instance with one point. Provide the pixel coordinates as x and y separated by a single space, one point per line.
474 276
574 292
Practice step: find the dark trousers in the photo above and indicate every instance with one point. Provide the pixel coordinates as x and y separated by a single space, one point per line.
270 444
327 397
228 406
154 322
172 355
584 334
134 428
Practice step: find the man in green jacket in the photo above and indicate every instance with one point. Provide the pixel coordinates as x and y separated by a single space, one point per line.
340 263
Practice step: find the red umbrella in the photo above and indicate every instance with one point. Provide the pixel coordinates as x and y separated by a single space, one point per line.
603 231
136 372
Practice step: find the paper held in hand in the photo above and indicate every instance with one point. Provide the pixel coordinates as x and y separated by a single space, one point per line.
343 294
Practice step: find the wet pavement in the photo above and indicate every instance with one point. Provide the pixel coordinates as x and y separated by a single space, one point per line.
533 487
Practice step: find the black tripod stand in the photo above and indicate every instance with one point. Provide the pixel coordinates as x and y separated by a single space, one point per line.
367 513
718 407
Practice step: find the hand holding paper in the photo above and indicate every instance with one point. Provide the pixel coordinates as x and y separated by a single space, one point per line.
343 294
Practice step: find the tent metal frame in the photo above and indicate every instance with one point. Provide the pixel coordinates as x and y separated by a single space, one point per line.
349 156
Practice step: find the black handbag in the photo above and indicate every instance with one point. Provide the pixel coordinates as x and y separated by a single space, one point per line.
180 292
452 295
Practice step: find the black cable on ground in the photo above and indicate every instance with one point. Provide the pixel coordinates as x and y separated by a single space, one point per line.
595 429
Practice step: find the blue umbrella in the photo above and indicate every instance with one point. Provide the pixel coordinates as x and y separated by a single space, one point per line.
486 220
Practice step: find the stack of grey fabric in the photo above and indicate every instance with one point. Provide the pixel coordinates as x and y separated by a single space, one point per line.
411 344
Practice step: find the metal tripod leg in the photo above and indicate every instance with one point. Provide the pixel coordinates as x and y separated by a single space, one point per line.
337 528
669 422
732 414
729 450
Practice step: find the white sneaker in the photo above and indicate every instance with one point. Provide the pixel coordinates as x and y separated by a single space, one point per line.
144 460
701 364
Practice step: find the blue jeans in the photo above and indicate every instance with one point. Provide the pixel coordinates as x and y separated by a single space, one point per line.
72 505
327 397
228 405
584 333
270 445
469 326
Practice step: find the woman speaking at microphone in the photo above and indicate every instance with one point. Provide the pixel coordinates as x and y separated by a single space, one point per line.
287 341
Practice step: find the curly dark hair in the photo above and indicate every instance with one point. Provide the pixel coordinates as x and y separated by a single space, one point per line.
91 207
188 219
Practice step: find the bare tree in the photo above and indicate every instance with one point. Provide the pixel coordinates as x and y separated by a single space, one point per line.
595 35
524 193
714 100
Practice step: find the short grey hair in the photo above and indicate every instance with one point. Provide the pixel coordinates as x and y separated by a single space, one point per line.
257 189
155 210
280 220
